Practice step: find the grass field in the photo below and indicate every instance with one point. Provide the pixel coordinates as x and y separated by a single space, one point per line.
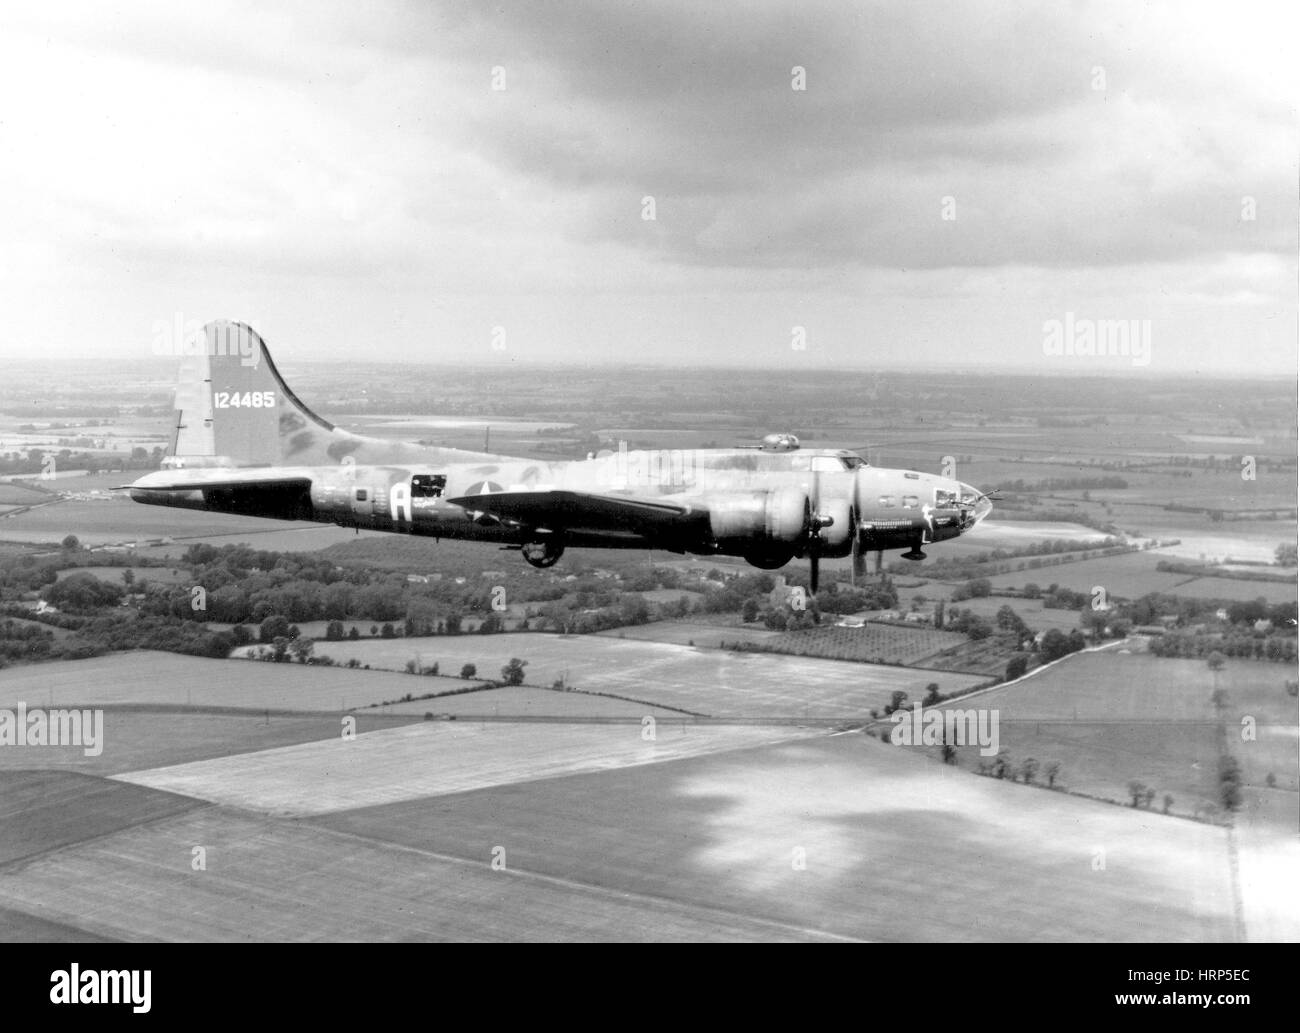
694 848
153 575
1268 857
1128 576
532 704
279 881
1111 717
1232 588
1199 538
893 848
172 679
21 927
705 681
45 810
144 737
433 758
14 494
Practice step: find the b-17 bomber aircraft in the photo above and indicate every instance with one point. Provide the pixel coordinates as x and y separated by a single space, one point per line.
243 443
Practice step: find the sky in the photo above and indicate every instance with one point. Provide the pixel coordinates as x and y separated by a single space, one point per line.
820 185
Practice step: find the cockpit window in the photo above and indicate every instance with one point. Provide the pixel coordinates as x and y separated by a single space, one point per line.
910 502
852 462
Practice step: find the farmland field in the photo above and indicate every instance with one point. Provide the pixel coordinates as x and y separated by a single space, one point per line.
1236 589
146 736
45 810
1252 540
284 881
172 679
718 683
1127 577
988 656
531 704
1111 717
873 643
109 521
685 633
14 494
153 575
435 758
917 842
1011 534
669 595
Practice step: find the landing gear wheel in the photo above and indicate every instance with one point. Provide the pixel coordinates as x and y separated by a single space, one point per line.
543 554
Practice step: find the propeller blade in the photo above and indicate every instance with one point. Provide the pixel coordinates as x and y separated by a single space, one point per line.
814 565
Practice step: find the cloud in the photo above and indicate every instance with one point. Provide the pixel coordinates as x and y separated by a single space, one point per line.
319 164
1067 135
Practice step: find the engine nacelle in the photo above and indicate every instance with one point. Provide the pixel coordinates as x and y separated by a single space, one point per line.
760 517
837 536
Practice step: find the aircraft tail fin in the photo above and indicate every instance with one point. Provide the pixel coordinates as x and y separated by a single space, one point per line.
234 409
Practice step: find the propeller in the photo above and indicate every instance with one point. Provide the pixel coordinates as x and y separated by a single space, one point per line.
859 568
815 524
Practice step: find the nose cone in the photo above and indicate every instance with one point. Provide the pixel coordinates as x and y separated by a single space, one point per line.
981 506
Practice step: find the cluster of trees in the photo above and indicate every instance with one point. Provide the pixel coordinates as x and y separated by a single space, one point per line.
1229 781
1241 645
1056 644
566 617
34 462
511 674
1026 771
1142 795
840 599
83 593
1065 484
245 585
1189 610
26 643
972 625
834 599
977 588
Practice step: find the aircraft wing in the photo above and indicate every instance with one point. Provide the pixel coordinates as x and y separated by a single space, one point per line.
265 478
583 511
